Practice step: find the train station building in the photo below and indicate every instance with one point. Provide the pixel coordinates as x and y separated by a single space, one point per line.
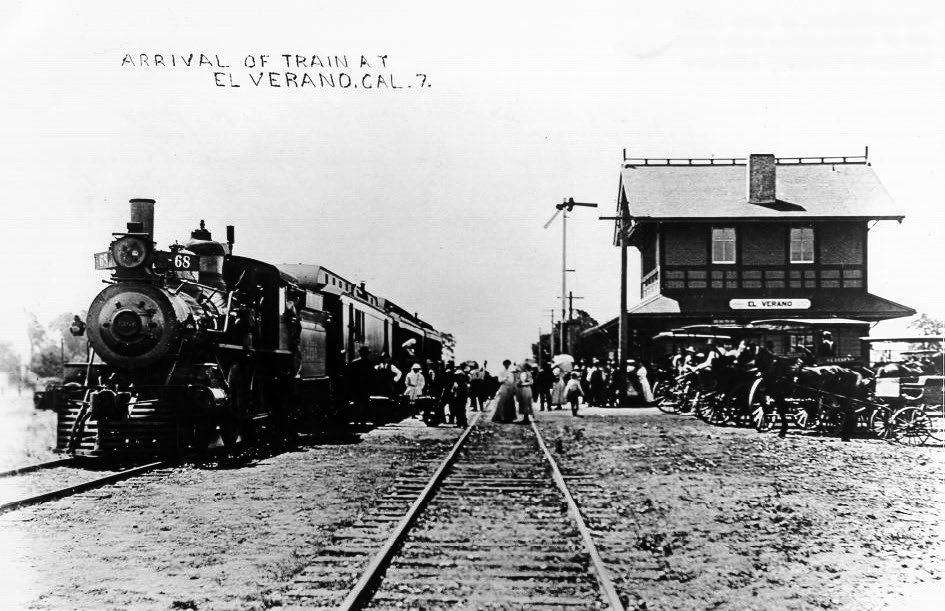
729 241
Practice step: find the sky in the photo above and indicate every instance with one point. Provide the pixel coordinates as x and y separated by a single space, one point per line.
435 196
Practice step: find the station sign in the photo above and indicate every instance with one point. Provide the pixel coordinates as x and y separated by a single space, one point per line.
766 303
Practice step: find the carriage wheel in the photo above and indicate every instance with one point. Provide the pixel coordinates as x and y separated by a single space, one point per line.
701 405
667 398
763 414
880 422
717 412
911 426
802 417
686 397
831 416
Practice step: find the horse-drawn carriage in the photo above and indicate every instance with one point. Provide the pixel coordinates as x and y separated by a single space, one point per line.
909 382
760 386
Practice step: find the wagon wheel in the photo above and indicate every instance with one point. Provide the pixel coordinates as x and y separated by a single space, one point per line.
717 412
911 426
667 397
831 416
686 395
761 407
802 417
702 405
880 422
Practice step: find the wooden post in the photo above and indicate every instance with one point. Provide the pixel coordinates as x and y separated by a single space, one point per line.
622 343
564 275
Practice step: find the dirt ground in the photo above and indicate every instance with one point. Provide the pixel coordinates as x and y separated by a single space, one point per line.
27 435
191 538
688 516
691 516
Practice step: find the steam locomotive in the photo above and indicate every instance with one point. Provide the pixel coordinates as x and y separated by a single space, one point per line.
195 347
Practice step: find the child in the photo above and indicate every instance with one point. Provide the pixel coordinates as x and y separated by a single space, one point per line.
573 391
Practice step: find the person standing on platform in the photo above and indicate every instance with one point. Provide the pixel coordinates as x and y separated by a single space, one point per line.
476 379
523 393
415 383
595 379
447 391
574 392
505 397
544 381
557 389
387 376
460 396
360 381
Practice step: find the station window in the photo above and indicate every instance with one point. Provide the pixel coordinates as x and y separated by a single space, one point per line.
723 245
802 244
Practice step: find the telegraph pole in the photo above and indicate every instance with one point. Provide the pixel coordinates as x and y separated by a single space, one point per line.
551 333
566 205
623 223
564 270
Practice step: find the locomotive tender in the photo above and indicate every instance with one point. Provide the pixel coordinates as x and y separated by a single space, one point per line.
196 347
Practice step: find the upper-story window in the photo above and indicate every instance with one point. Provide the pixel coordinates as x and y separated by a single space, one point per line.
723 245
802 244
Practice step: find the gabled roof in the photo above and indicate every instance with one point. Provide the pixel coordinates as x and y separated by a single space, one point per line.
664 190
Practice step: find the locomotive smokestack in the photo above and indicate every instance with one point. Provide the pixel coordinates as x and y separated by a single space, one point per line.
142 211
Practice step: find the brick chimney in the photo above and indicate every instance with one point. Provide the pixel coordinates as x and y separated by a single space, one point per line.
761 178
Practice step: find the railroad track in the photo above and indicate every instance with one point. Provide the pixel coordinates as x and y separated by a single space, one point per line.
64 478
494 525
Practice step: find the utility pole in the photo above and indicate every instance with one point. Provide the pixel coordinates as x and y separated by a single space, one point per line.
566 205
571 299
623 223
551 333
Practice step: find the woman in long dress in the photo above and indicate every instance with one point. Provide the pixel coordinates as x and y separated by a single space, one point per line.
524 382
505 396
557 389
415 383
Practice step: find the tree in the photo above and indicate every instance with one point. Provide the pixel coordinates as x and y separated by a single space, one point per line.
9 359
52 344
928 325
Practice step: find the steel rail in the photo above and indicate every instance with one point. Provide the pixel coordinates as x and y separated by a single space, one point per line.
363 589
601 572
84 486
61 462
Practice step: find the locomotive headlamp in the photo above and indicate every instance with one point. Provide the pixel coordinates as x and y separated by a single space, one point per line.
130 252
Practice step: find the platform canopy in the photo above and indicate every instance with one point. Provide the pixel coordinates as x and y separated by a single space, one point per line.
903 338
793 323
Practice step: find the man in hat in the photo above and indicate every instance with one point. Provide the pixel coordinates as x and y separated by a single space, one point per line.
459 396
476 379
387 376
360 379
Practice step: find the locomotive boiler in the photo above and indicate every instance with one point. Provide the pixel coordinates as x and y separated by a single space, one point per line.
195 347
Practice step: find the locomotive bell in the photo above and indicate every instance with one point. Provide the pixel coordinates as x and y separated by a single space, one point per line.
211 257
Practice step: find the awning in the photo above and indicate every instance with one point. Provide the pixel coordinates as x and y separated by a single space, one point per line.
688 335
806 322
903 338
